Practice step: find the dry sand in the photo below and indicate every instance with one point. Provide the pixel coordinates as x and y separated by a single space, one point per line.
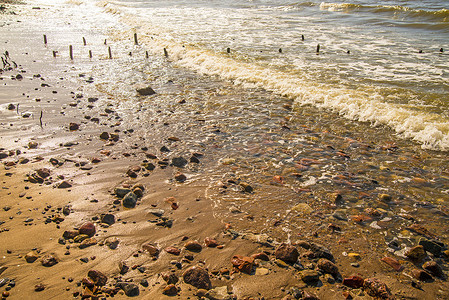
34 216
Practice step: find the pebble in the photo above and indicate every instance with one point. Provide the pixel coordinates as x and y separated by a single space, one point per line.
193 246
88 228
309 276
97 277
108 219
198 277
130 289
377 289
179 177
243 263
394 263
327 266
49 260
416 253
287 253
353 281
145 91
121 192
170 290
210 242
31 256
64 185
130 200
170 278
39 287
112 243
151 249
421 275
173 250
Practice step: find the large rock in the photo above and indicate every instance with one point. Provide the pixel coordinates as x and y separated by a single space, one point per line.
287 253
243 263
87 228
198 277
309 276
377 289
327 266
433 268
416 253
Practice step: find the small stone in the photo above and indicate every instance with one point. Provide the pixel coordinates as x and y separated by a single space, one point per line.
49 260
64 185
70 234
262 271
11 106
416 253
421 275
104 136
261 256
80 237
309 276
121 192
193 246
97 277
354 282
145 91
74 126
433 268
198 277
130 289
88 228
219 293
179 177
87 243
210 242
173 250
39 287
170 290
385 198
112 243
394 263
287 253
246 188
108 219
31 257
302 209
327 266
43 172
123 267
151 249
32 145
130 200
170 278
243 263
179 162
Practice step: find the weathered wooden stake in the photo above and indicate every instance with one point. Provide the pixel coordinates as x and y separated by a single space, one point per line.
318 49
54 53
165 52
280 50
228 50
84 41
146 54
135 39
45 39
110 52
105 42
90 53
302 37
40 119
71 52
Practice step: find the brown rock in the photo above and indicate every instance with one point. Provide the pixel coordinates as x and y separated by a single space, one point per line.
87 243
145 91
170 278
198 277
433 268
243 263
39 287
377 289
49 260
421 275
70 234
87 228
123 267
151 249
31 256
210 242
287 253
43 172
179 177
394 263
421 230
309 296
170 290
64 185
97 277
104 136
327 266
193 246
354 282
173 250
416 253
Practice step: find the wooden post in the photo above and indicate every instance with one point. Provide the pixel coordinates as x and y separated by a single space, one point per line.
54 53
165 52
318 49
105 42
84 41
146 54
90 53
280 50
40 119
135 39
110 52
71 52
302 37
45 39
228 50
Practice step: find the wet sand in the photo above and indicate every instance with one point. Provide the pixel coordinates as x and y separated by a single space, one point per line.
264 248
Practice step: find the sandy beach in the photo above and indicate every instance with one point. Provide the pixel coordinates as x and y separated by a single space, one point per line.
106 197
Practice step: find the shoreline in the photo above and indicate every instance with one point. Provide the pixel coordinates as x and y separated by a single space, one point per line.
248 214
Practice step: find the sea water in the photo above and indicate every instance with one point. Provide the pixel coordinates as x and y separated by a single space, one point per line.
384 62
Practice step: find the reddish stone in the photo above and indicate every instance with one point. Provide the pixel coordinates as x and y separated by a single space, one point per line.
327 266
151 249
179 177
87 228
49 260
433 268
394 263
243 263
173 250
170 290
353 281
287 253
74 126
198 277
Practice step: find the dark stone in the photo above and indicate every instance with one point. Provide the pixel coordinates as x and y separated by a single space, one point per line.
198 277
121 192
309 276
170 278
88 228
108 219
130 200
179 162
74 126
354 282
104 136
287 253
173 250
327 266
421 275
433 268
64 185
431 246
49 260
146 91
97 277
179 177
193 246
130 289
170 290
